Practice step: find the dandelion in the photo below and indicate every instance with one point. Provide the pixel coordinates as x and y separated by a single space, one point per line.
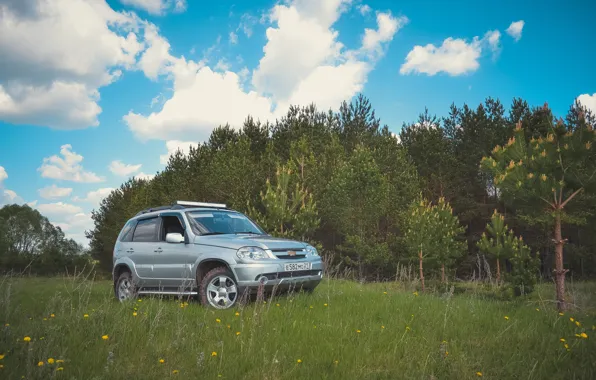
299 361
385 293
45 319
506 318
228 326
59 361
40 364
578 324
584 335
577 335
311 307
562 340
336 362
52 315
175 372
415 293
408 328
60 369
566 346
50 361
85 315
277 304
134 314
561 314
237 333
139 300
218 320
358 331
479 374
214 353
382 327
2 356
572 320
325 305
105 337
161 361
537 309
27 339
237 314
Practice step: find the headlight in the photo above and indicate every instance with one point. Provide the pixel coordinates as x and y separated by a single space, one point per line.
252 253
311 251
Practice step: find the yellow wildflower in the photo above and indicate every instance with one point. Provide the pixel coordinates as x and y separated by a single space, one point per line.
105 337
299 361
59 361
506 318
237 314
60 369
358 331
571 319
161 361
237 333
385 293
415 293
277 304
217 320
584 335
27 339
40 364
566 346
175 372
214 353
85 315
51 361
543 177
562 340
134 314
578 324
382 327
52 315
325 305
537 309
479 374
336 362
2 356
561 314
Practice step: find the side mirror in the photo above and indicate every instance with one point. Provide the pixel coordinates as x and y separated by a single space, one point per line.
175 238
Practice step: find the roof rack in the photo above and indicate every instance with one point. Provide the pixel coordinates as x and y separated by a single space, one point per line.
181 205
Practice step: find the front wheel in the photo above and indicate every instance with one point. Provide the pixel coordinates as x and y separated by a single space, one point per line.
219 288
124 288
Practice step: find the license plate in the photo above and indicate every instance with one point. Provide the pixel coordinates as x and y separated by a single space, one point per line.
296 266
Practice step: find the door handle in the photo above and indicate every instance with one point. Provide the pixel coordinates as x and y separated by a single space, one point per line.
158 250
130 250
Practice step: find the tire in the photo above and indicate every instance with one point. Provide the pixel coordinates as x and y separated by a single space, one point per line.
124 287
218 289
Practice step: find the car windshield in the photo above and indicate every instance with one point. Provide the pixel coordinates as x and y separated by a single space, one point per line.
222 222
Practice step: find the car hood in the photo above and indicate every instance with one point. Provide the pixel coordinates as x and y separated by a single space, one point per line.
234 241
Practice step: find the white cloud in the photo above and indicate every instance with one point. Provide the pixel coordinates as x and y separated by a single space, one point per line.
119 168
247 22
454 56
70 218
364 9
3 174
95 197
144 176
157 7
53 192
7 196
67 168
173 146
233 38
587 100
66 51
205 97
515 29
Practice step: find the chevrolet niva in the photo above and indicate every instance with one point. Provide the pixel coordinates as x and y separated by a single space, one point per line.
210 251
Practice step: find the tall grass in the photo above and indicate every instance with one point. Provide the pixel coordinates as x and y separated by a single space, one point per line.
344 330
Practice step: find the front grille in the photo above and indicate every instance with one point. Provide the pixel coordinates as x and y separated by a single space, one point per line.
298 273
288 257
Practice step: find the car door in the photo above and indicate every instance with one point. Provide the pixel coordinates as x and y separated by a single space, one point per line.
143 248
171 259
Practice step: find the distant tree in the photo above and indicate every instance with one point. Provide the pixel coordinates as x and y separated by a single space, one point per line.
287 211
542 175
499 242
525 267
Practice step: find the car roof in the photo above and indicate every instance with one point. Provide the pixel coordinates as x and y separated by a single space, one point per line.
158 210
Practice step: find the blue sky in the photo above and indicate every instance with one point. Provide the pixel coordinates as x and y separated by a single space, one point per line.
94 92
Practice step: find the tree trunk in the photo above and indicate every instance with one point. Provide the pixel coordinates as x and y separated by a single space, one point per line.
442 273
498 271
421 273
559 271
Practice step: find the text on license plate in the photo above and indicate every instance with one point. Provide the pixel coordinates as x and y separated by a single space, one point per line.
296 266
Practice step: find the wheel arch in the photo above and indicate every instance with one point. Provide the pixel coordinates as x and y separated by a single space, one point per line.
119 269
209 264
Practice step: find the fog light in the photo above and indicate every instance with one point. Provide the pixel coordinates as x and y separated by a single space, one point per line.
263 280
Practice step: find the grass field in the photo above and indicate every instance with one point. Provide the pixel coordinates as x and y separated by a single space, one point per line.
345 330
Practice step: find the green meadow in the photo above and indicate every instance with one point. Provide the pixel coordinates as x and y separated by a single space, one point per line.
73 328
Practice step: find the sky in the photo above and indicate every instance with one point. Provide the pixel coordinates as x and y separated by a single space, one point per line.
93 92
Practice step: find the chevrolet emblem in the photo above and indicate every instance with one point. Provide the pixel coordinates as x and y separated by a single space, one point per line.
291 253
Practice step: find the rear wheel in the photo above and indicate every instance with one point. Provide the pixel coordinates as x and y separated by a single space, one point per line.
124 288
219 289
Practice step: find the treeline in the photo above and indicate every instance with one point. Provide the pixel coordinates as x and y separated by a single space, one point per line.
30 244
357 182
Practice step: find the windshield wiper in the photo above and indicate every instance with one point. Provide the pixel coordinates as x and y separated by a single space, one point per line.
247 232
213 233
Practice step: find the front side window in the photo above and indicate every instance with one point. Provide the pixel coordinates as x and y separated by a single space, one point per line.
146 230
126 233
222 222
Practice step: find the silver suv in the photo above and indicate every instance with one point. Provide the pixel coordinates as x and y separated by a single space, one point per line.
209 250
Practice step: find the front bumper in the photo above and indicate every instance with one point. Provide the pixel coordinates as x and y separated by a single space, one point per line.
271 274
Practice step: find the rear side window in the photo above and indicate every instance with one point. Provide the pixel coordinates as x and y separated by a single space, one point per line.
146 230
126 233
